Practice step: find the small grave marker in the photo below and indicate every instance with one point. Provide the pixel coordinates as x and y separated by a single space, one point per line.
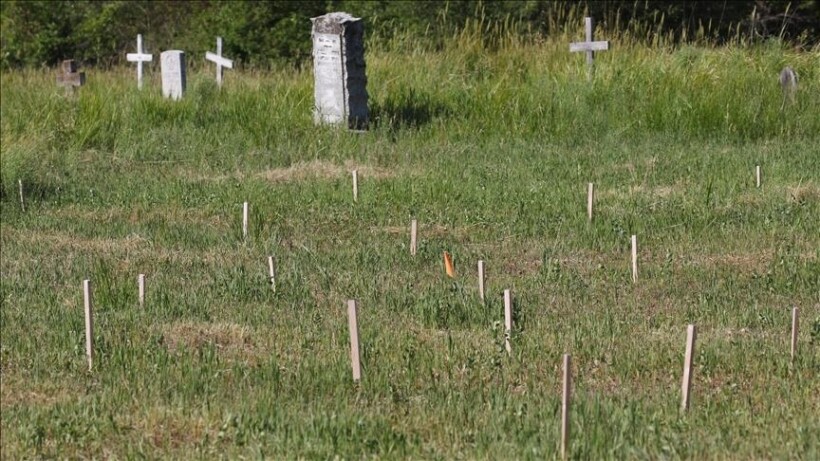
139 57
355 174
589 46
272 273
89 323
245 220
795 326
590 199
686 385
507 320
141 290
757 176
340 80
172 63
565 406
481 279
220 61
634 259
353 326
69 77
413 232
22 202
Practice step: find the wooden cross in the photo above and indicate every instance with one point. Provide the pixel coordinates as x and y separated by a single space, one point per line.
219 61
69 78
139 57
589 46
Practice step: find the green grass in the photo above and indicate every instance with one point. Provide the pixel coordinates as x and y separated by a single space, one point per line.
491 150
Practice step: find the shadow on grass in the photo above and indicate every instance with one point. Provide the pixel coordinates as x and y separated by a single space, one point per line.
407 109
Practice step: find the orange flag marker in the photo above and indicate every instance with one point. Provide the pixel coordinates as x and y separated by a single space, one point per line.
448 265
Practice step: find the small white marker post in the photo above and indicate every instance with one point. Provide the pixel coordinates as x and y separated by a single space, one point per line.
22 202
634 259
272 273
481 279
589 46
686 385
590 199
795 326
565 406
141 290
507 320
245 220
413 235
139 57
353 326
757 176
89 323
219 61
355 174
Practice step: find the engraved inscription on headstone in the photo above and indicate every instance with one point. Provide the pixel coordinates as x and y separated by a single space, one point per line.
340 79
173 73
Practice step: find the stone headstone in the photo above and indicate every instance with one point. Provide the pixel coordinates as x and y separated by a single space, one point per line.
173 73
69 77
340 90
788 83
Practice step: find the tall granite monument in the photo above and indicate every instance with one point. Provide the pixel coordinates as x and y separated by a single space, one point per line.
340 91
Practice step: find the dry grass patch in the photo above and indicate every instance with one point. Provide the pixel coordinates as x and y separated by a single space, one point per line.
300 171
803 193
65 241
230 339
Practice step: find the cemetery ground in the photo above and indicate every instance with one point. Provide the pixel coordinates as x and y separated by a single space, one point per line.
491 152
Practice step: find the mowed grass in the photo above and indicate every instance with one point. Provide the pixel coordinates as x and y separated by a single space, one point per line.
491 151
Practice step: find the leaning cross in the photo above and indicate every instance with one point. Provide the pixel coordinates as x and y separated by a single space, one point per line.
219 60
589 46
70 78
139 57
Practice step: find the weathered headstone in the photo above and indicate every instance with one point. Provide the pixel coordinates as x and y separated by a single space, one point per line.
788 83
340 90
173 73
69 77
139 57
219 61
589 46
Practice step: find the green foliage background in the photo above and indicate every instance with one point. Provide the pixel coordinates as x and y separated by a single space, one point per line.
269 34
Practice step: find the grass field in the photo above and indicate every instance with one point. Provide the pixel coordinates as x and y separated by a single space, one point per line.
491 151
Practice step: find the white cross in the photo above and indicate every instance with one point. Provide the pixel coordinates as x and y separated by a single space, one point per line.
219 60
589 46
139 57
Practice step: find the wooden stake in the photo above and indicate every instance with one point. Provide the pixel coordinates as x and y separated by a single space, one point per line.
354 340
481 279
89 323
507 320
22 202
355 185
565 406
141 290
757 175
634 259
272 273
686 385
413 233
795 326
245 220
590 199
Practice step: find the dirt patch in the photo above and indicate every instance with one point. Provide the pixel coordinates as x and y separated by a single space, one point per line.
803 194
300 171
68 241
229 339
